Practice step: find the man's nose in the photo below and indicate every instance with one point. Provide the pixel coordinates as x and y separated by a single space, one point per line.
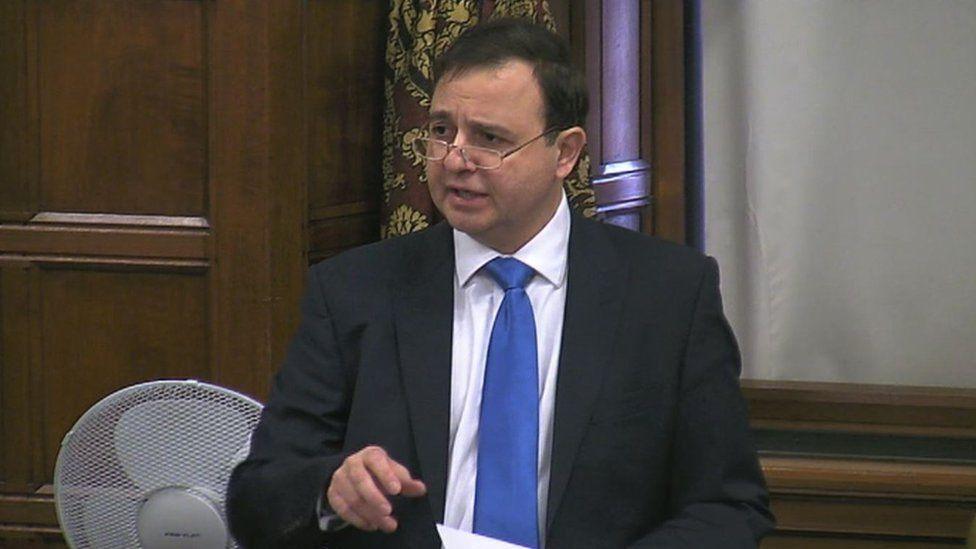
455 162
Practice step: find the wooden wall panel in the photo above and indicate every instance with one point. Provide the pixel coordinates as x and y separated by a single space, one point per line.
286 181
16 427
121 87
15 197
100 331
152 208
71 337
345 46
153 179
258 173
331 235
850 486
667 88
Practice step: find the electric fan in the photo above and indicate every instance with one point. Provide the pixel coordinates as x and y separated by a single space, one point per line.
147 467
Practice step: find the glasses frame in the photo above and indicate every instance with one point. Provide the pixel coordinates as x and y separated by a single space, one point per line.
462 149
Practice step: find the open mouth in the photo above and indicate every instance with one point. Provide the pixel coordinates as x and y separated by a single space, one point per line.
467 195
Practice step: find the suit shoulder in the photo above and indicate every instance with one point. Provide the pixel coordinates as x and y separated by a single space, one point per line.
380 260
643 249
365 257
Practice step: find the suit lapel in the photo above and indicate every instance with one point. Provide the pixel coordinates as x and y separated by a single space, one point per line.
594 297
423 317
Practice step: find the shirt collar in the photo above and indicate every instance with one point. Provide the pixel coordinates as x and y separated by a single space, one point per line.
546 252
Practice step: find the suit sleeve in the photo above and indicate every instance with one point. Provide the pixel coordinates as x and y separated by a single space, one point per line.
272 496
718 495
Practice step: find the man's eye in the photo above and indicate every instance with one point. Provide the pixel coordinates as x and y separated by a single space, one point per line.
438 131
489 137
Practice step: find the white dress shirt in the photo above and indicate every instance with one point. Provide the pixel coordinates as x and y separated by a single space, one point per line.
477 299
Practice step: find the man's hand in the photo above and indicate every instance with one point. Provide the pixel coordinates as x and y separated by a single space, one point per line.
359 489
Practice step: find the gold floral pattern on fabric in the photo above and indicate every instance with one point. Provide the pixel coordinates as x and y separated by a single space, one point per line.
404 220
392 179
419 31
578 189
529 9
406 146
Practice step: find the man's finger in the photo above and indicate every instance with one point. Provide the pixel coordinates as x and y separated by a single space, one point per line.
384 469
343 487
388 524
358 489
348 514
343 496
365 487
413 488
409 486
363 515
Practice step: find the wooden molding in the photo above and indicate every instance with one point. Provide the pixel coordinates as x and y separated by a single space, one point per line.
28 510
861 517
28 519
865 408
871 478
850 502
83 241
869 497
121 220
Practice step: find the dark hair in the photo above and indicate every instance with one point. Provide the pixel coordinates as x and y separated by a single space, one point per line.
498 41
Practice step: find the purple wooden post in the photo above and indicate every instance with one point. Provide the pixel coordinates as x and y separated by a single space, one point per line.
621 178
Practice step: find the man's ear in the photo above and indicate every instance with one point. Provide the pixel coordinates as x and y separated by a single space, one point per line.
570 143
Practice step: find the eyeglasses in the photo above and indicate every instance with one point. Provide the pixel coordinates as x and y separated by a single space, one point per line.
481 157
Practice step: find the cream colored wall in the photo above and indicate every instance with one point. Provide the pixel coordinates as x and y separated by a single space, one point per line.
840 186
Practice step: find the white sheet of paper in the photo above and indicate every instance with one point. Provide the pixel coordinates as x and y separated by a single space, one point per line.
458 539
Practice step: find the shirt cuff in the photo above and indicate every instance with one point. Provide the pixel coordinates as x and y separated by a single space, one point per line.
329 521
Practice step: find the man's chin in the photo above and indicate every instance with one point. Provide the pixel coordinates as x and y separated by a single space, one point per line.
480 232
465 223
474 231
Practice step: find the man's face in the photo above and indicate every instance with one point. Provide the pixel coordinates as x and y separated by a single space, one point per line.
498 108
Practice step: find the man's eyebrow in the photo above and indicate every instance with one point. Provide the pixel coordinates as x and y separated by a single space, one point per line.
438 116
444 116
500 131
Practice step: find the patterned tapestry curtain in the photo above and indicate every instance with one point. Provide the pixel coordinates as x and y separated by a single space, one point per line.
419 31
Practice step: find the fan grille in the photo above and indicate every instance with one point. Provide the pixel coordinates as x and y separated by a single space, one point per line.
142 439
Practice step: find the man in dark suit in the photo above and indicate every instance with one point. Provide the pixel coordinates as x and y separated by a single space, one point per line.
591 399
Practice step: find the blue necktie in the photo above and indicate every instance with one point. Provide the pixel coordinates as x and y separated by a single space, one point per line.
505 502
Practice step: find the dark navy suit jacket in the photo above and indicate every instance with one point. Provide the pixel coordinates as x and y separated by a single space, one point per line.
651 446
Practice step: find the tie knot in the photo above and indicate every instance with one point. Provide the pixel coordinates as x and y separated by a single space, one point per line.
509 272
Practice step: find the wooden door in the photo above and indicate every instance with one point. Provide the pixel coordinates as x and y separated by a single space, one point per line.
152 184
167 170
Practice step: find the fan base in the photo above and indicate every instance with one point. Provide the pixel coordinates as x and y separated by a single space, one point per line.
178 518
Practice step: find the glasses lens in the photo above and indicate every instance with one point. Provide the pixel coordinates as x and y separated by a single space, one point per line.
430 148
434 149
482 157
